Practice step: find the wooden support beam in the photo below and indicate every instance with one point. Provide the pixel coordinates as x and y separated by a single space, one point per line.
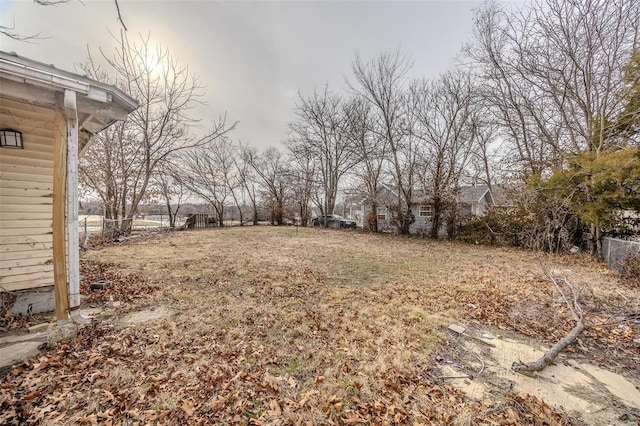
59 245
73 255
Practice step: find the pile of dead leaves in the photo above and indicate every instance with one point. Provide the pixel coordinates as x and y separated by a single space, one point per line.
9 321
126 285
96 242
526 409
259 336
528 309
609 336
166 376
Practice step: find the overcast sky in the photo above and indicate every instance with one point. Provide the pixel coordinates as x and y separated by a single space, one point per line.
253 56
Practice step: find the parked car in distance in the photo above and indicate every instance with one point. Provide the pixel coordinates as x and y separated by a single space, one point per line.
334 221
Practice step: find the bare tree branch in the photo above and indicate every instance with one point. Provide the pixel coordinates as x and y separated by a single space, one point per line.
11 33
119 15
570 294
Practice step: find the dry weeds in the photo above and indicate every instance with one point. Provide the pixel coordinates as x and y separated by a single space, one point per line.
285 326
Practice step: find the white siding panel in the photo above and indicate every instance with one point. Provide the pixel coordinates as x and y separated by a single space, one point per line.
28 200
16 273
22 160
29 153
25 248
29 261
19 255
28 170
12 228
26 184
24 216
25 239
29 282
23 207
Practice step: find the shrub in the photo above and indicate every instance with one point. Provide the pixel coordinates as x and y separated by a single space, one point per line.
486 230
535 221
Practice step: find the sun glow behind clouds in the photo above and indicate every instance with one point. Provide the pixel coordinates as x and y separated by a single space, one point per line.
155 62
251 57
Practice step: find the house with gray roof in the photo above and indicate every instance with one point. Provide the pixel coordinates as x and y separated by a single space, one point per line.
474 200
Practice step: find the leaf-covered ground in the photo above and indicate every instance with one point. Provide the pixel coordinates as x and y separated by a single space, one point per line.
283 326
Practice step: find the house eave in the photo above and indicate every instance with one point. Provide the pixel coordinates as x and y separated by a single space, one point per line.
94 98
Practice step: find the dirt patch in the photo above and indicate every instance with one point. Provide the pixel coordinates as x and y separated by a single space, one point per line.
140 317
624 389
586 392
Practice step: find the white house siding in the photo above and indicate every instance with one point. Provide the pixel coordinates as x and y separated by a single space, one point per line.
26 178
421 224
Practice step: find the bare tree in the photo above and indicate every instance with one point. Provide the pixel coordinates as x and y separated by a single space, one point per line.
158 129
247 177
225 154
514 104
170 189
371 150
482 164
302 177
271 172
109 171
554 74
382 82
319 133
207 172
443 110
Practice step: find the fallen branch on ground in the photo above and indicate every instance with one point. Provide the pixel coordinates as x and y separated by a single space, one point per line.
571 295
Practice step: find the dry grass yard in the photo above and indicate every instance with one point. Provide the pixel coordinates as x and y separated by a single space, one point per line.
275 326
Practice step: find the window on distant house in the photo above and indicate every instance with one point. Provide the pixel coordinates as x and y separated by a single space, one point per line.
382 213
424 211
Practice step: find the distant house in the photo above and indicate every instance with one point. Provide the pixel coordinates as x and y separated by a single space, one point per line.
474 200
47 119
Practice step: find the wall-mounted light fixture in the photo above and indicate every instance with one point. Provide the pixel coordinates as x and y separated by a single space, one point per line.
10 138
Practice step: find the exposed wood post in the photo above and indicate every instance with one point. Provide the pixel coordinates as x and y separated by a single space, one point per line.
59 175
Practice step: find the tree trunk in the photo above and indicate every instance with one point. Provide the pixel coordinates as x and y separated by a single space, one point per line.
372 218
596 235
279 211
126 225
255 214
436 218
407 220
240 213
452 218
220 213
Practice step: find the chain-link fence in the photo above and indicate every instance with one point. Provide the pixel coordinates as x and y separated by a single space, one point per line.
615 251
110 229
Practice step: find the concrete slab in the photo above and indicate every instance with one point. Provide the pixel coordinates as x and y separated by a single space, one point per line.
456 328
11 354
39 327
33 301
89 312
38 337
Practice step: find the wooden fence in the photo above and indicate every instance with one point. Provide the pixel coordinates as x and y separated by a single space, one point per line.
200 221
